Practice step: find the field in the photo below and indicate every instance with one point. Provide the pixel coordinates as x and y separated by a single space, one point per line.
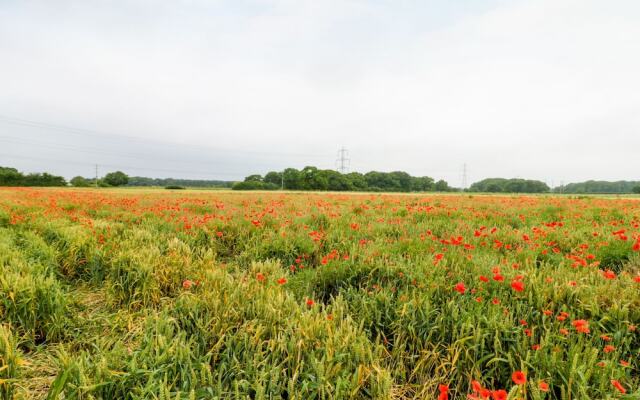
151 294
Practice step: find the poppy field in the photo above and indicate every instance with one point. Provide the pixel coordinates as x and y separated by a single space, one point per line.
153 294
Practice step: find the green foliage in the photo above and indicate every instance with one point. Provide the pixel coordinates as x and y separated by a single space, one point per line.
312 178
599 187
254 185
442 186
12 177
273 177
117 178
79 181
501 185
163 182
34 304
161 295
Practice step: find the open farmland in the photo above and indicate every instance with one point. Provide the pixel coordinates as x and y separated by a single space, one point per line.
123 294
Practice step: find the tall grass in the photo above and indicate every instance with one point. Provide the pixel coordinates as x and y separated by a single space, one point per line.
107 295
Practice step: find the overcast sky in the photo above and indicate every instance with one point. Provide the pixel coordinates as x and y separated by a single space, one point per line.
542 89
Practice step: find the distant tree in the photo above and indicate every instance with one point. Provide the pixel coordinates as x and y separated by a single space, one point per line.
422 184
442 186
598 187
337 181
292 179
10 177
356 181
253 178
254 185
636 189
381 181
402 180
117 178
163 182
273 177
43 179
79 181
501 185
313 179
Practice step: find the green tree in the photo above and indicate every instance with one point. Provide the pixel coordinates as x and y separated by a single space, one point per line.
253 178
79 181
356 181
337 181
117 178
292 179
636 189
501 185
43 179
313 179
273 177
381 181
422 184
10 177
442 186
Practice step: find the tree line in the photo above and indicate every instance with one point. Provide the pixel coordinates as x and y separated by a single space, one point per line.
200 183
112 179
502 185
600 187
312 178
13 177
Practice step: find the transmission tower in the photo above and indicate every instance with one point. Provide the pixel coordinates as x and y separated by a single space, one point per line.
342 162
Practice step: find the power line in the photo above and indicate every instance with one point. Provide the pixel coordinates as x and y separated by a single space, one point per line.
87 132
127 167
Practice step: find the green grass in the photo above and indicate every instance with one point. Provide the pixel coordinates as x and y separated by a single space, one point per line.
150 294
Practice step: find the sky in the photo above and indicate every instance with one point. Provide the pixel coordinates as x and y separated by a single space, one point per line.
206 89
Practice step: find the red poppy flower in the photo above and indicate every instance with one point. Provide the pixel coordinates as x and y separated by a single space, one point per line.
581 325
444 392
460 288
499 394
517 286
616 384
519 378
544 386
187 284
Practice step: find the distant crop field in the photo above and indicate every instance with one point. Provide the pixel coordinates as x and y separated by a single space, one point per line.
152 294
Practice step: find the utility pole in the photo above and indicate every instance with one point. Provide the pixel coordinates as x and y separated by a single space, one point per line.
464 176
343 160
282 181
96 175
